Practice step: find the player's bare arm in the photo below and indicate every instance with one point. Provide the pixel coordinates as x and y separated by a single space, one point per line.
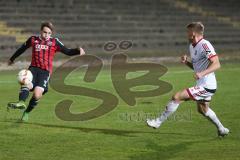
214 65
184 59
82 52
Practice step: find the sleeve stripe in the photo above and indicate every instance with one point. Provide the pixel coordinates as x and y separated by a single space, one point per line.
212 56
59 41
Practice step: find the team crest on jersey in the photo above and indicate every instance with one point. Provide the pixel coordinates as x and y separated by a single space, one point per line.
49 43
205 47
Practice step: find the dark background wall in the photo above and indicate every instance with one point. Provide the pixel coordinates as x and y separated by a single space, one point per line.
155 27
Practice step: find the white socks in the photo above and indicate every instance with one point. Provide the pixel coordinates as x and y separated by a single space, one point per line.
212 116
170 108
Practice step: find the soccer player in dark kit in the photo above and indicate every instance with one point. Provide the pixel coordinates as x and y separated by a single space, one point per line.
44 47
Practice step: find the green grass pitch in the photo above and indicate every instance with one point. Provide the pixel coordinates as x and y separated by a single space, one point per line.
122 133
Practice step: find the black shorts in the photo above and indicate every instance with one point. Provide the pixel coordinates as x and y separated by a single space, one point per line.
40 78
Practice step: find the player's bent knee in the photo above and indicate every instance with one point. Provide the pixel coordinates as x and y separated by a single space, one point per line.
37 95
38 92
176 97
181 96
29 86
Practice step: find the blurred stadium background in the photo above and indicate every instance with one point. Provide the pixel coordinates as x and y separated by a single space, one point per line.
155 27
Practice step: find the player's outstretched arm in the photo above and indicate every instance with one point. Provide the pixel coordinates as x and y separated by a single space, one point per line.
20 51
72 52
184 59
214 65
69 51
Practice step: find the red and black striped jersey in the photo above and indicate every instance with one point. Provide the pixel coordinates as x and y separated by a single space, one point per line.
43 51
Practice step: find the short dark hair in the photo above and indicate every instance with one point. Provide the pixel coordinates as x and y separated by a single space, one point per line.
47 24
197 27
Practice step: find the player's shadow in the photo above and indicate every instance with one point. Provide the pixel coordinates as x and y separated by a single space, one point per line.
163 152
14 123
158 151
117 132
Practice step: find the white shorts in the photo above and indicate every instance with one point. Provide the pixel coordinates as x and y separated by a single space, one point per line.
199 93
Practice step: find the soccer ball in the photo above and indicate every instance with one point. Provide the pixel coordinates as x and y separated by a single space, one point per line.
24 77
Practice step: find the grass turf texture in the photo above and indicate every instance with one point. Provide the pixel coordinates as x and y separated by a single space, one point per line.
122 133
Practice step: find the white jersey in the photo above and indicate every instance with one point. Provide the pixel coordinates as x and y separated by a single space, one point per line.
201 53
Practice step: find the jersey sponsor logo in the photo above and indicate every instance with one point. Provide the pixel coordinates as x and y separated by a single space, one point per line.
39 47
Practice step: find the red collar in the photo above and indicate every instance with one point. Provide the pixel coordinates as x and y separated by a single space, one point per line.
194 44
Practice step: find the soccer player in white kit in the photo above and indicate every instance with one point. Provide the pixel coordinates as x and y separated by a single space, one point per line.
204 62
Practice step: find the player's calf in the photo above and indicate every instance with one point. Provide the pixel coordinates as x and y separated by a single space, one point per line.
170 109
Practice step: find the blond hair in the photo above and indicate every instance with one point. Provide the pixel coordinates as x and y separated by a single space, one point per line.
197 27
